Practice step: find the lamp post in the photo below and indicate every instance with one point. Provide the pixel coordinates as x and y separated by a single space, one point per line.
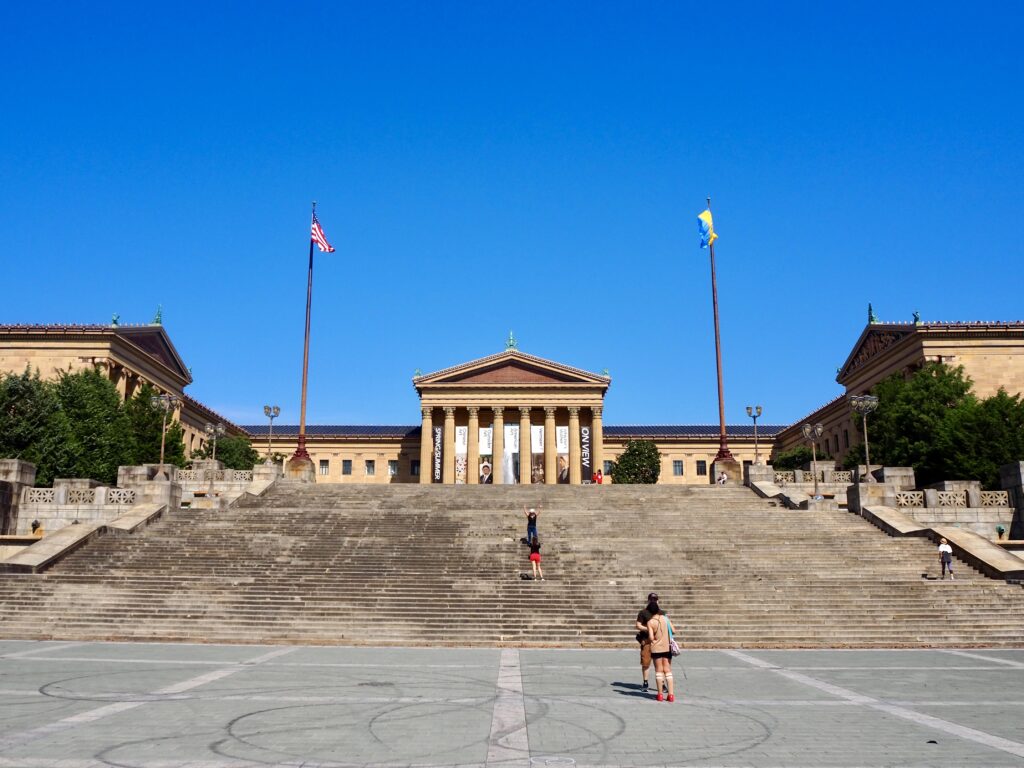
865 404
812 434
167 404
753 411
213 432
271 412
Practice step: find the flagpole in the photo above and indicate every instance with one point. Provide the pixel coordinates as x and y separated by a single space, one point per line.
301 454
723 444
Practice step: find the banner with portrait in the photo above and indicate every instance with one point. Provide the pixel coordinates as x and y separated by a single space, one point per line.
537 454
510 459
486 467
461 454
562 454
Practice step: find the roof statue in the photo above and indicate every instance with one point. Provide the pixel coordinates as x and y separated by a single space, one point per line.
417 373
872 317
115 319
511 343
158 318
917 317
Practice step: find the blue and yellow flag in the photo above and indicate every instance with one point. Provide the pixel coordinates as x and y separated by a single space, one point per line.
706 229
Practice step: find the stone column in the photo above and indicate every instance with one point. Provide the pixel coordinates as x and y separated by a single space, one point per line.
550 472
426 443
525 462
574 446
597 435
448 470
498 445
473 450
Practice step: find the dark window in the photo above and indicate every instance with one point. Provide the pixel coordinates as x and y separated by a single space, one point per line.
414 467
325 467
392 467
607 468
702 468
677 468
346 466
835 443
846 438
371 467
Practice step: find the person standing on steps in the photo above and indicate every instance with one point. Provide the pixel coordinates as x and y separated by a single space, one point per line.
642 618
538 572
946 559
531 522
661 652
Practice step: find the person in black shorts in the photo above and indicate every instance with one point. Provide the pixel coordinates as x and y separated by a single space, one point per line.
649 611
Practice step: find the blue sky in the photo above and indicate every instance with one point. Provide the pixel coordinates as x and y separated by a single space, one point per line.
532 166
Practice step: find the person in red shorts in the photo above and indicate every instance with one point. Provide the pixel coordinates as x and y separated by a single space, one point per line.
538 572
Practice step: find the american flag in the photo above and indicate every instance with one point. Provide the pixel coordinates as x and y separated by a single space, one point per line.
317 233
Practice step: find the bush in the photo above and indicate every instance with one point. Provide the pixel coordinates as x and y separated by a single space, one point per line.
639 463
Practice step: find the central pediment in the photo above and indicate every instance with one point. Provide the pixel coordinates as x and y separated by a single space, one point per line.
511 367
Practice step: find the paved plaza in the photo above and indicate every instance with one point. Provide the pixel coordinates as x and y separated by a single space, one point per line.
77 705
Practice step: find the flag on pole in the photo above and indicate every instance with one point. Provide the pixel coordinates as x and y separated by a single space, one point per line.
318 236
706 229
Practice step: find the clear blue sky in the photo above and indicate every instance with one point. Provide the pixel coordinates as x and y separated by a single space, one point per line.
534 166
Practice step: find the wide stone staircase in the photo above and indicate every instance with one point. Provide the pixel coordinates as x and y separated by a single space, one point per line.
430 565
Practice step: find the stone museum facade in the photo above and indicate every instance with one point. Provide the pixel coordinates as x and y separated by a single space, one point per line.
512 417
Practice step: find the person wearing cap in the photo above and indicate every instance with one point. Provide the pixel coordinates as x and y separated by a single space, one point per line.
946 559
642 636
531 522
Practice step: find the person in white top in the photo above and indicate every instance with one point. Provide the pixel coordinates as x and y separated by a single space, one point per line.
946 559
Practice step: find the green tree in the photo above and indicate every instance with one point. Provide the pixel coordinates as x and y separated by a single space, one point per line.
100 430
33 427
147 424
639 463
234 450
794 458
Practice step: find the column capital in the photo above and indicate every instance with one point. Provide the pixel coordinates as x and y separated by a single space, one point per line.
524 411
426 413
596 410
574 411
499 411
549 411
449 411
474 411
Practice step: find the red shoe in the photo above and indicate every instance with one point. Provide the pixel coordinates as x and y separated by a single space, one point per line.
660 697
671 697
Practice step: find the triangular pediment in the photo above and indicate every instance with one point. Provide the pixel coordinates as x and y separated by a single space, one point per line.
154 341
875 340
511 367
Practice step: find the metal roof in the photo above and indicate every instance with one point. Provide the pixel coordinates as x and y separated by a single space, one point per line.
692 430
336 430
398 432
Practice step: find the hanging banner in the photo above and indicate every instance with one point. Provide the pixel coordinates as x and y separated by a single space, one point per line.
486 456
510 460
461 454
562 454
537 454
586 464
438 453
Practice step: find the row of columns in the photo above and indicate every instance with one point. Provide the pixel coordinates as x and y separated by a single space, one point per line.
498 444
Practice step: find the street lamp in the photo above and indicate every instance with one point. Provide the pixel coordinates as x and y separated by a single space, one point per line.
865 404
753 411
812 434
271 412
167 404
213 432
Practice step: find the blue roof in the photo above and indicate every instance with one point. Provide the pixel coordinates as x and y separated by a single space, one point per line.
403 432
693 430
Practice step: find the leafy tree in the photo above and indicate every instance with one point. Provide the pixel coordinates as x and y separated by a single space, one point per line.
234 450
639 463
794 458
147 424
100 430
33 427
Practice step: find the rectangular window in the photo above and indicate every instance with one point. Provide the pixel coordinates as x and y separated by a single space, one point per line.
371 467
677 468
702 468
325 467
835 443
414 467
392 467
846 438
346 466
607 468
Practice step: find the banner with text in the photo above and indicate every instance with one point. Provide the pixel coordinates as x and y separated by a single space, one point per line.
562 454
537 453
461 454
586 462
510 461
486 467
438 454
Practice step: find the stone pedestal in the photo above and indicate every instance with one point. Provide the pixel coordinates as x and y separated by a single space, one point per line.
901 477
758 473
301 470
15 476
1011 479
732 468
862 495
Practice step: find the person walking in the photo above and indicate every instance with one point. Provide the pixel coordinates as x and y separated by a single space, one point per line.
538 572
531 522
946 559
644 638
661 651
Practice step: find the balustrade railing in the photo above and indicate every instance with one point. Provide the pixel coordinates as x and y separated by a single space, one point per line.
910 498
952 498
995 499
121 496
785 476
82 496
